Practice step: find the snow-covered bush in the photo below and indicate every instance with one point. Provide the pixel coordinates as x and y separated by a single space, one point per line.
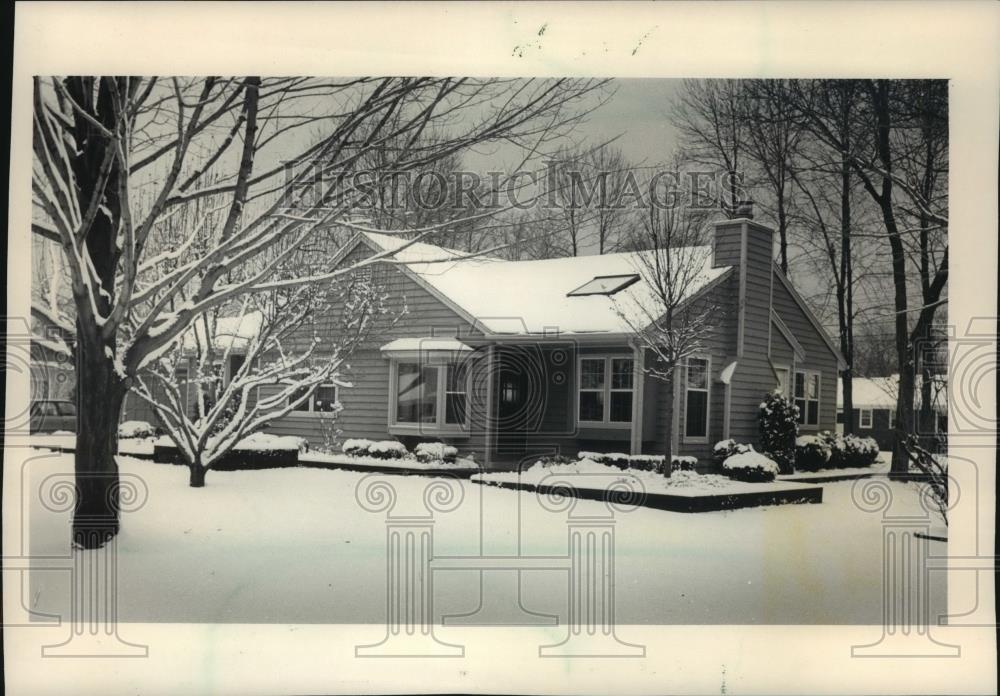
837 446
356 447
850 451
559 460
387 449
639 462
752 467
130 429
859 451
428 452
644 462
678 463
724 449
811 453
777 423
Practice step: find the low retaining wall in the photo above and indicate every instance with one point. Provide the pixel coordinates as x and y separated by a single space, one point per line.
234 460
454 472
677 503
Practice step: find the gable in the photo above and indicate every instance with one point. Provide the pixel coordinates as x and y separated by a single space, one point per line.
803 325
420 310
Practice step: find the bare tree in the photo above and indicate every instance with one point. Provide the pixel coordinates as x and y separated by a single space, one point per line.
251 367
672 323
710 116
100 141
900 116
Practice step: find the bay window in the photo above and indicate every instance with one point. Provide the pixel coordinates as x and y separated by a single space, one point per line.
604 395
696 399
807 388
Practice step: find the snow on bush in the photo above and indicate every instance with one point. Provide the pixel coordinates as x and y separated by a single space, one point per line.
356 447
752 467
777 422
850 451
860 451
724 449
691 479
387 449
637 462
812 453
130 429
428 452
265 442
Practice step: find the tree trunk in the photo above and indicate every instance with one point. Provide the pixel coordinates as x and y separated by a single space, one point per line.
845 290
198 475
668 446
100 394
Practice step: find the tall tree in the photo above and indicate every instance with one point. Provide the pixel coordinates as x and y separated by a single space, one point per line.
893 120
670 323
98 141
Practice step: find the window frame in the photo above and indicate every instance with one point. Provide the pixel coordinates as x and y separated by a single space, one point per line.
861 418
310 403
698 439
807 374
627 279
606 390
789 378
440 424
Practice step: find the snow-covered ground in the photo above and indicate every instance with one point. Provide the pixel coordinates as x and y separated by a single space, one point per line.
67 441
294 546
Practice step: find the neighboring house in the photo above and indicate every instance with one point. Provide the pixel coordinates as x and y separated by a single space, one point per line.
231 336
874 411
52 364
513 359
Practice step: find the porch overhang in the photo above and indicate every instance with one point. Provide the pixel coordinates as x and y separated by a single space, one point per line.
424 347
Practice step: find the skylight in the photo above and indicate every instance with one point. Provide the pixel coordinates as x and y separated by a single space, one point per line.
604 285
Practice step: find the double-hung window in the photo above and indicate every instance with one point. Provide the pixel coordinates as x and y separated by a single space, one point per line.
324 399
866 418
696 399
807 387
431 394
606 386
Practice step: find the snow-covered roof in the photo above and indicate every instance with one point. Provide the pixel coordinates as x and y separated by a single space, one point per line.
425 344
530 297
880 392
231 333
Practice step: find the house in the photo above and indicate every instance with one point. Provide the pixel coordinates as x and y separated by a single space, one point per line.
874 408
510 360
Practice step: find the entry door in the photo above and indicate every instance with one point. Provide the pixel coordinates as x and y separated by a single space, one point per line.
511 409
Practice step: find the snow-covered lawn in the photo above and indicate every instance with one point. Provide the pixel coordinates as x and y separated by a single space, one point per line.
67 441
294 546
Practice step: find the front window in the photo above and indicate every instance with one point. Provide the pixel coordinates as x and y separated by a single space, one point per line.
431 394
605 392
807 388
696 399
324 399
455 394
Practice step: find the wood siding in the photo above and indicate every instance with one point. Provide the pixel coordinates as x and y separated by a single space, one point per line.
416 313
818 353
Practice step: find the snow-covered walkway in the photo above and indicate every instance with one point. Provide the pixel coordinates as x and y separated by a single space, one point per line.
294 546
